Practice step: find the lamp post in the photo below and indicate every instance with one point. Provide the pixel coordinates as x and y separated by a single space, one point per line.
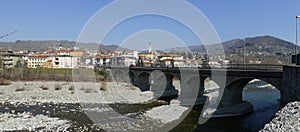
296 34
244 52
295 57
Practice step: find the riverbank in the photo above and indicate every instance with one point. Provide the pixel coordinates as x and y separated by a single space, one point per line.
73 92
51 106
287 119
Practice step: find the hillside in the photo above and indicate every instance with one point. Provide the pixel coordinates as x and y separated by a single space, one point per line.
268 45
256 47
48 44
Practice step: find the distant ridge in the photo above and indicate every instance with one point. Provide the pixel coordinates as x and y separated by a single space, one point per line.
269 45
52 44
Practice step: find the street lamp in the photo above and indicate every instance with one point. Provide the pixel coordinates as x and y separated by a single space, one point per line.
244 52
294 57
296 34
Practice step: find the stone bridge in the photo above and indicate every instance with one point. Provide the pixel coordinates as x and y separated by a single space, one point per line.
230 80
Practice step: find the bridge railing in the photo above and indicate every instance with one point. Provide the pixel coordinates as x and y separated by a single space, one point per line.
245 66
229 66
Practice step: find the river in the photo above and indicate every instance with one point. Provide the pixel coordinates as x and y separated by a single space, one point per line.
264 100
266 104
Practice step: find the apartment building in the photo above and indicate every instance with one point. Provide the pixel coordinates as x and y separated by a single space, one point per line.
65 62
35 61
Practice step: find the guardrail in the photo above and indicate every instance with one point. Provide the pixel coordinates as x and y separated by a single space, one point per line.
246 66
229 66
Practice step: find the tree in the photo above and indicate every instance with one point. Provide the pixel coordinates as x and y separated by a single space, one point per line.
184 55
190 55
18 64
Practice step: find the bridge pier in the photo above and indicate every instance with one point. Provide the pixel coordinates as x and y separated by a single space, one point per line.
143 82
291 87
192 90
161 84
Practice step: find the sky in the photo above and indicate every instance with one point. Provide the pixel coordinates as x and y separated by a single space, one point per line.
66 19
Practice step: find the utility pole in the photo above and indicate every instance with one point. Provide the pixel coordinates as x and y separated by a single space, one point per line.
244 52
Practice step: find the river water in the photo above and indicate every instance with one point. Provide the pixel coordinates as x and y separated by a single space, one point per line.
266 104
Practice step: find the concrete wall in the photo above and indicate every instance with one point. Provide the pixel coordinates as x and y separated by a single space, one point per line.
291 84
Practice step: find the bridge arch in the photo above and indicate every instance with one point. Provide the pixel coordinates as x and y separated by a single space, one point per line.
240 83
231 102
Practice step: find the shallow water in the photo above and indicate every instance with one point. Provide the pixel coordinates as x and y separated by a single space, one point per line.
265 102
75 113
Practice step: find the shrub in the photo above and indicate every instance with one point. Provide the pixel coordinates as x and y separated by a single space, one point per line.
88 90
44 87
103 86
57 87
71 88
20 89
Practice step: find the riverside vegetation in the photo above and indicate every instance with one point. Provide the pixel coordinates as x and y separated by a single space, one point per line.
50 74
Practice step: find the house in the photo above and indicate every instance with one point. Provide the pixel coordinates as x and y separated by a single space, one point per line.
178 61
102 60
123 60
165 60
76 53
39 60
63 52
65 62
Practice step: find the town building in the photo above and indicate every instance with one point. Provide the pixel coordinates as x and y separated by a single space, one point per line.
65 62
39 60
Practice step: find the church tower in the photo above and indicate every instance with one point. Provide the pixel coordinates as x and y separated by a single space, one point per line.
150 48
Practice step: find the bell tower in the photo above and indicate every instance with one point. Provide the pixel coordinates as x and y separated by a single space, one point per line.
150 48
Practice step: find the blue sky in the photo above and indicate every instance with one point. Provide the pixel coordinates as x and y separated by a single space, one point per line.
64 19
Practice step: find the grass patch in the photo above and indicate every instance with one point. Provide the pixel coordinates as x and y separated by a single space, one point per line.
4 81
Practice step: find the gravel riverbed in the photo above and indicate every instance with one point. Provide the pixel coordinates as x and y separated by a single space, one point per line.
59 106
286 120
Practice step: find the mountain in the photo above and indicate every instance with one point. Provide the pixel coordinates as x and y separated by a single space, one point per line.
256 45
267 44
52 44
267 49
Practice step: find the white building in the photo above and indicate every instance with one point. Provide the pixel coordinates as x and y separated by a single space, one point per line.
124 60
65 62
35 61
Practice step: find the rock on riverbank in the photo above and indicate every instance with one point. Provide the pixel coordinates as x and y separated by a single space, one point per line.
287 119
